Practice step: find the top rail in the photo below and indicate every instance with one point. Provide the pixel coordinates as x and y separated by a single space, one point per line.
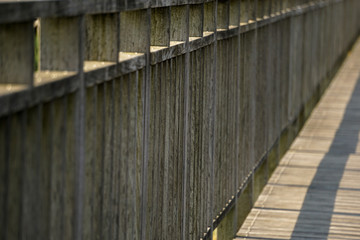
25 10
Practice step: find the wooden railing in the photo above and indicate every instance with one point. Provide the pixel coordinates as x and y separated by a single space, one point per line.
154 119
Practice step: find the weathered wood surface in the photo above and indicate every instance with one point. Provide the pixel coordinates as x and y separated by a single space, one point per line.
154 123
315 191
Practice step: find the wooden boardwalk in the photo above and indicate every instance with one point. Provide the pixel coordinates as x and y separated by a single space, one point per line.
315 191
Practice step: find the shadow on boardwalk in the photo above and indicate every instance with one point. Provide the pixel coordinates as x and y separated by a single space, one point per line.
319 203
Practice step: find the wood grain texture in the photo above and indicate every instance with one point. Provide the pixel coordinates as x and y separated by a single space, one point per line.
196 13
17 52
59 44
133 30
313 193
102 31
179 138
160 26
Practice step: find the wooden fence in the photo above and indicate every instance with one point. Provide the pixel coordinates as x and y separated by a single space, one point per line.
154 119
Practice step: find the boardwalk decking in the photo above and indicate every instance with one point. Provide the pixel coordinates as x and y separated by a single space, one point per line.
315 191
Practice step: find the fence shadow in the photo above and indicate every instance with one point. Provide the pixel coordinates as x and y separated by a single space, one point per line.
319 203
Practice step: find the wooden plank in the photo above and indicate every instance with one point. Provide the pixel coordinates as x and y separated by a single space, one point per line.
14 177
3 173
17 52
31 194
90 157
70 167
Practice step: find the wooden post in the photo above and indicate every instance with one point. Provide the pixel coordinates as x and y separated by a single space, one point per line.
133 30
244 12
59 44
209 17
17 53
223 14
196 17
178 24
102 37
234 18
160 26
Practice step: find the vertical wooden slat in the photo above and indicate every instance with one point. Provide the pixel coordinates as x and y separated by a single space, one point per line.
221 118
210 73
178 26
70 169
120 157
185 136
237 128
98 165
217 129
160 26
146 131
244 11
209 17
170 139
205 143
179 131
132 25
3 174
172 158
90 157
161 171
116 195
173 165
307 63
223 8
152 163
102 37
315 49
284 73
125 207
214 112
78 140
108 160
134 169
270 87
234 18
190 150
45 167
59 44
251 10
31 194
17 52
260 174
157 193
165 139
196 15
197 94
249 77
227 123
57 218
139 147
278 99
242 108
260 9
14 178
200 200
131 150
234 86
